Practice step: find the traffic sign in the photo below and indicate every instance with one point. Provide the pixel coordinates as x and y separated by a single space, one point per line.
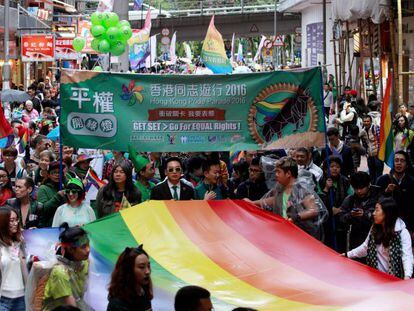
278 41
268 44
165 40
165 32
254 28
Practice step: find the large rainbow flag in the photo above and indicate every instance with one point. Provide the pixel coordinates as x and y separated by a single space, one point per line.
139 44
213 53
242 255
386 151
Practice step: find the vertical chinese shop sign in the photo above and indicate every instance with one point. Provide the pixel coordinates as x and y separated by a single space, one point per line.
280 109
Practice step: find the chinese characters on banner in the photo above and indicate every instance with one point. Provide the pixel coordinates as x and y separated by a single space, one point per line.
64 49
39 47
192 113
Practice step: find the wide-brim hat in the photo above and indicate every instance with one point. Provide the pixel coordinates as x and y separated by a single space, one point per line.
82 158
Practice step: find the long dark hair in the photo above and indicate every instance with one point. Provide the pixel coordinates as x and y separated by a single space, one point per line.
397 126
111 187
5 236
384 233
123 284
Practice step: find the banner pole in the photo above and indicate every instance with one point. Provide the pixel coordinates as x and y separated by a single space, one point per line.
331 194
60 144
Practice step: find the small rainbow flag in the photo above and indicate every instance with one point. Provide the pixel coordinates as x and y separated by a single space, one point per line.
236 156
386 151
24 139
93 179
244 256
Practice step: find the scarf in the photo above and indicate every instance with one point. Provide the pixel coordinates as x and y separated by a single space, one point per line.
395 252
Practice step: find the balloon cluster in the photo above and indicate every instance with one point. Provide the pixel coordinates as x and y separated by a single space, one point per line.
109 33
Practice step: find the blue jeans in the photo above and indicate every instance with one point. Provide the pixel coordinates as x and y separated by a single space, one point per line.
12 304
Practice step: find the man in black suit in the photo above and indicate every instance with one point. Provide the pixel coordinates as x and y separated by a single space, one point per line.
172 188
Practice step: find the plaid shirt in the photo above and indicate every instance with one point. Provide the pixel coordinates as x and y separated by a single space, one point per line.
371 140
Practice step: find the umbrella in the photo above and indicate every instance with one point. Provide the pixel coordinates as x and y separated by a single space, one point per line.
14 96
54 134
242 69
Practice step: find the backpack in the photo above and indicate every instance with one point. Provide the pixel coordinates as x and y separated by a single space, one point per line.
36 284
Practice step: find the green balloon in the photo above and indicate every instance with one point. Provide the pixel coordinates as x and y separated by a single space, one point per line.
97 68
113 34
97 30
123 23
103 46
95 44
78 44
111 20
126 32
105 17
96 18
118 48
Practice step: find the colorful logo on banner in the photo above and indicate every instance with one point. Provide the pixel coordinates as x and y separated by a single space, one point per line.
213 53
139 44
64 49
38 48
270 110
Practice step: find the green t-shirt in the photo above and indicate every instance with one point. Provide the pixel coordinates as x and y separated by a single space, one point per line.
64 281
145 191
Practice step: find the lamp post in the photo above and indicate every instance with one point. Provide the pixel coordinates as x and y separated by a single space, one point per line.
6 65
275 48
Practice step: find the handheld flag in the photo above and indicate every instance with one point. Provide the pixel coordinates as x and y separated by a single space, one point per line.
236 156
187 49
240 52
139 44
232 48
137 5
386 151
93 179
172 48
213 53
259 49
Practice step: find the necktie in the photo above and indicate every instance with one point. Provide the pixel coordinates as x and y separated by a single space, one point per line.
175 196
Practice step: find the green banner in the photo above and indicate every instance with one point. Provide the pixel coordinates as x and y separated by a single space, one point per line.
281 109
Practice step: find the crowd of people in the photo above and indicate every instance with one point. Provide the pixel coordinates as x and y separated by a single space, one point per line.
359 210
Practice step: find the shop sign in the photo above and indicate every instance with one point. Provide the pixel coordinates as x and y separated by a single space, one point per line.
64 49
38 47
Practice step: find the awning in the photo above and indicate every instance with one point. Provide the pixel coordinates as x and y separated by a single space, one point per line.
351 10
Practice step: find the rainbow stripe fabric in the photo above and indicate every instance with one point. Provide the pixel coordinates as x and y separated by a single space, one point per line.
213 53
242 255
386 151
23 141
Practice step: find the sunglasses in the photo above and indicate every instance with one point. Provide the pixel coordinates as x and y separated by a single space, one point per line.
174 169
72 191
